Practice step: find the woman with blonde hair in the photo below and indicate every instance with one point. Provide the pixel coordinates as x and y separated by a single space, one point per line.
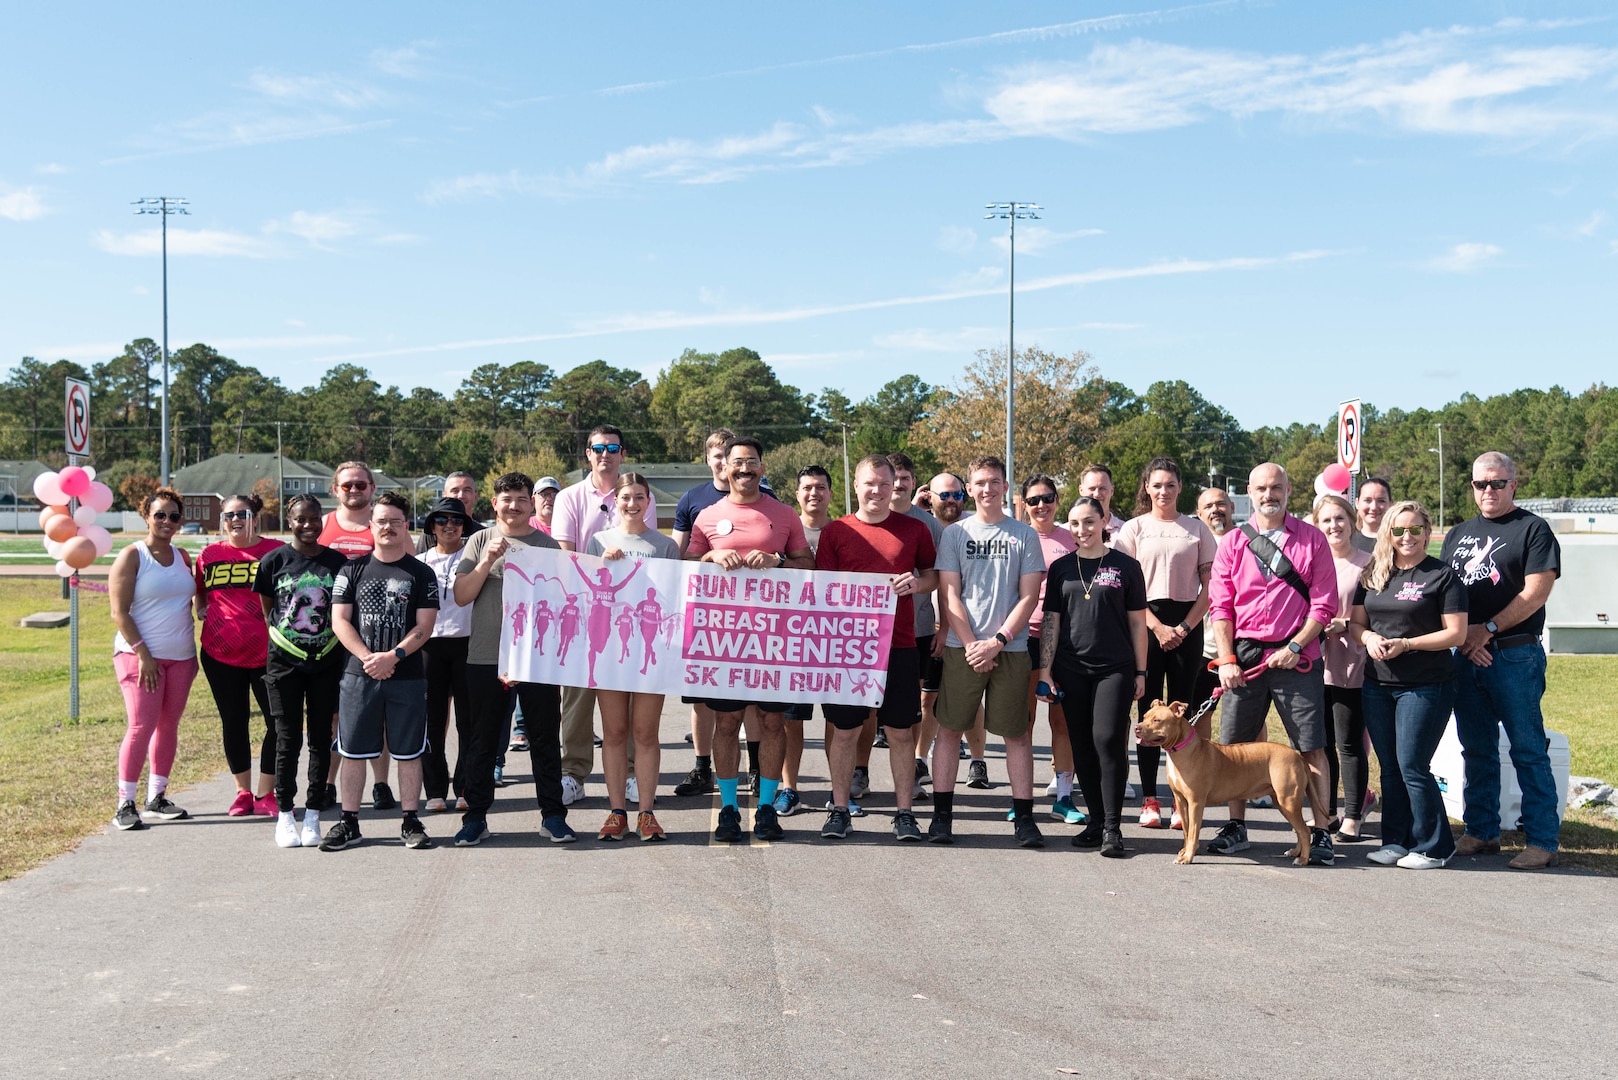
1345 667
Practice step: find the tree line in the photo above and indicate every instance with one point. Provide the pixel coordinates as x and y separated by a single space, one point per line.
528 415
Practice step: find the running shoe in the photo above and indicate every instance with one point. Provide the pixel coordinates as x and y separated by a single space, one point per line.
1050 788
748 782
1263 802
647 828
572 790
923 774
519 744
918 790
1112 844
499 776
1028 834
854 808
614 828
472 834
977 774
242 806
286 830
159 806
787 802
966 752
310 834
1176 821
861 784
1321 852
1230 839
557 830
905 828
436 806
1151 814
1417 861
332 800
460 802
1129 791
1089 838
765 825
941 830
414 834
382 797
344 834
881 740
263 806
729 830
128 817
1387 854
632 792
1064 811
699 781
838 824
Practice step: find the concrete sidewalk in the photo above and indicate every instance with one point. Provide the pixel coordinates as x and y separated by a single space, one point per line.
200 947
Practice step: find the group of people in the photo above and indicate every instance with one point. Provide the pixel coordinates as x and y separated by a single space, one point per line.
1343 623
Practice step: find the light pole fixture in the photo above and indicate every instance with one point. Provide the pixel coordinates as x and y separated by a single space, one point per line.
163 206
1439 450
1011 212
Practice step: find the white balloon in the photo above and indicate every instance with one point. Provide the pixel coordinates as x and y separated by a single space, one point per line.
98 536
64 570
1321 487
53 548
84 516
89 470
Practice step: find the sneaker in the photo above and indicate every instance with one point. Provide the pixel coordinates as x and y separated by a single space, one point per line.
597 740
1129 791
861 784
1230 839
519 744
1064 811
332 800
472 834
632 792
923 774
1112 844
460 803
729 830
1387 854
557 830
499 776
159 806
699 781
1027 833
382 797
1175 821
242 806
1151 814
748 782
616 825
414 834
966 752
647 828
1090 838
838 824
286 830
881 740
688 737
341 835
128 818
436 806
918 790
1263 802
263 806
1320 849
854 808
572 790
905 828
765 825
1417 861
941 830
310 834
787 802
977 774
1050 788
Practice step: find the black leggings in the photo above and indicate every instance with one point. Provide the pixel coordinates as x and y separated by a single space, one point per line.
296 696
1097 711
230 685
1178 667
1348 721
446 679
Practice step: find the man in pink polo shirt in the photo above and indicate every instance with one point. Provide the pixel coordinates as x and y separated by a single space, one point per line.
1273 589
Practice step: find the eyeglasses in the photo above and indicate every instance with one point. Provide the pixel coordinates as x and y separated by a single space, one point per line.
236 515
607 448
356 485
167 515
746 463
1483 485
952 496
1406 530
388 523
1039 500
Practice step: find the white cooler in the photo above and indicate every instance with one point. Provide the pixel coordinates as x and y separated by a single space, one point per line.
1450 770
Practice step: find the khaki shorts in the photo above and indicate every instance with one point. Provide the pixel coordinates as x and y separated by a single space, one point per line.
1005 713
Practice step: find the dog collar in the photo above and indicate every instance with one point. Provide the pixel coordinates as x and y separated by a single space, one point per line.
1183 743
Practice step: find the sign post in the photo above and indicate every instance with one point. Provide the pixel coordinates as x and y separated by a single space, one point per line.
1350 441
77 430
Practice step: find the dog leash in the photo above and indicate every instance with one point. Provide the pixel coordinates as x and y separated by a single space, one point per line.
1304 665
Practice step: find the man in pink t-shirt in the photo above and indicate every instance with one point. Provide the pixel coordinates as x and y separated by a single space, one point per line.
748 529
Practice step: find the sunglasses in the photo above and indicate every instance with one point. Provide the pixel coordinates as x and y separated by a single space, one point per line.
356 485
952 496
167 515
607 448
439 523
1039 500
236 515
1406 530
1484 485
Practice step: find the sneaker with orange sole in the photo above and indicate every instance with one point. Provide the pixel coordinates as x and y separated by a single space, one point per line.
647 828
1151 814
616 825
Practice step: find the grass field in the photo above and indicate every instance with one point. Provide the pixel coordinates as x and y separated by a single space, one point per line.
30 550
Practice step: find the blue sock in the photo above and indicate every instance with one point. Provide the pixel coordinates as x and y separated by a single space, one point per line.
766 790
727 792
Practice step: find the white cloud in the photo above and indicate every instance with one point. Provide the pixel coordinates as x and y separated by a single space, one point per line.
404 62
228 131
140 290
320 230
21 204
1592 224
981 278
184 242
957 239
322 89
1034 239
922 339
50 168
710 297
1464 258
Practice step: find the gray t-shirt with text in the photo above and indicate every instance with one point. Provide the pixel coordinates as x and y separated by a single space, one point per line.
991 560
926 614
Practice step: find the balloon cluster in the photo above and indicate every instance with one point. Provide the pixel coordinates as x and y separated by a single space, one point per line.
1333 480
72 537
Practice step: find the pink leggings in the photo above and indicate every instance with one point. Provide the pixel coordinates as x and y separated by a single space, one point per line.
154 715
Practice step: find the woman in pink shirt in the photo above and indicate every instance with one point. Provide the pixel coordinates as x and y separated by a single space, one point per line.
1039 503
1345 668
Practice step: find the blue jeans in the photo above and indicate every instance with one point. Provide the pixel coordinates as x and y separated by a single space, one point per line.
1506 693
1406 724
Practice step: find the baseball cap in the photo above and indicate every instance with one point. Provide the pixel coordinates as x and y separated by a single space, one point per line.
547 483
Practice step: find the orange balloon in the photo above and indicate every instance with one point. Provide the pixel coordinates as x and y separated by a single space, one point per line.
79 552
61 528
48 512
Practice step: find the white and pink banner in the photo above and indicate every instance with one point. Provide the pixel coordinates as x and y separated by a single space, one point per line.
658 626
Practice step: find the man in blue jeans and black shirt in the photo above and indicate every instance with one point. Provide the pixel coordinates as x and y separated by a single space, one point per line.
1508 559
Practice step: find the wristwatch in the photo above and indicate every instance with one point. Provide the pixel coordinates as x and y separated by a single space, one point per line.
1295 648
1492 627
1183 628
1001 638
780 560
398 650
1140 673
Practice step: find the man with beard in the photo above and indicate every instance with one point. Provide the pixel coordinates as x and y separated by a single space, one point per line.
814 494
949 503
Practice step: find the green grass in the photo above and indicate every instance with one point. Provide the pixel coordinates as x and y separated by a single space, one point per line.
30 550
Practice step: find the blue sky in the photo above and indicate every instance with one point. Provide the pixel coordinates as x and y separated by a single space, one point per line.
1286 204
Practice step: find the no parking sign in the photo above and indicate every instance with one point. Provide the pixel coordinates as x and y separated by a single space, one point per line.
1350 434
78 417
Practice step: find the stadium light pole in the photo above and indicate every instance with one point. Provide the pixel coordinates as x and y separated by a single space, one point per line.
1012 212
163 206
1439 450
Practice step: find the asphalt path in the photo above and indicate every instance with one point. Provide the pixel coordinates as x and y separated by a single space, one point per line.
198 947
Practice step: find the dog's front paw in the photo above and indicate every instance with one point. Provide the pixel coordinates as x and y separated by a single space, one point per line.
1184 857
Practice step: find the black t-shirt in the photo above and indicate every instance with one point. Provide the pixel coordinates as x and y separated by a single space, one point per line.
386 598
1095 629
300 588
1361 542
1414 602
1494 558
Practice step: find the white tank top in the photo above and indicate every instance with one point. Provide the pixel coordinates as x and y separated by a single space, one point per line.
161 608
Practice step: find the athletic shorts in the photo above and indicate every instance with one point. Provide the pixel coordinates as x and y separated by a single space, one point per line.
1003 690
932 667
1300 698
720 705
901 697
367 707
800 713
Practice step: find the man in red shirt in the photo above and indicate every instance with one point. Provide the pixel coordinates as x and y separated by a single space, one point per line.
875 540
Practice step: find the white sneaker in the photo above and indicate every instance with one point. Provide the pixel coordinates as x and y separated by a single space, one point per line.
311 828
1417 861
572 790
1388 854
286 830
1050 788
632 792
1129 791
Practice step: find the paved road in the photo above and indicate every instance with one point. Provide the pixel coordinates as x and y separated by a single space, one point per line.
200 948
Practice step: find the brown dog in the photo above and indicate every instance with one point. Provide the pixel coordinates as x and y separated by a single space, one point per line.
1204 772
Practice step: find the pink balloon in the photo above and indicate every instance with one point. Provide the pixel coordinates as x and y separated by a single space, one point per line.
48 491
1336 476
72 481
61 528
99 496
98 536
64 570
79 552
84 515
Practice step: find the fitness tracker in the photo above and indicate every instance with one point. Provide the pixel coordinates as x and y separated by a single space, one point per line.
1295 648
1492 627
780 560
1001 638
398 650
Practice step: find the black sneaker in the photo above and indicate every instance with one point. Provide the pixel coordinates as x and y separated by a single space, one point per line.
941 830
766 826
332 801
1027 833
1230 839
860 785
1112 844
382 797
977 774
905 828
341 835
159 806
128 818
699 781
924 775
730 825
881 740
1089 838
414 834
748 782
838 824
1321 852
